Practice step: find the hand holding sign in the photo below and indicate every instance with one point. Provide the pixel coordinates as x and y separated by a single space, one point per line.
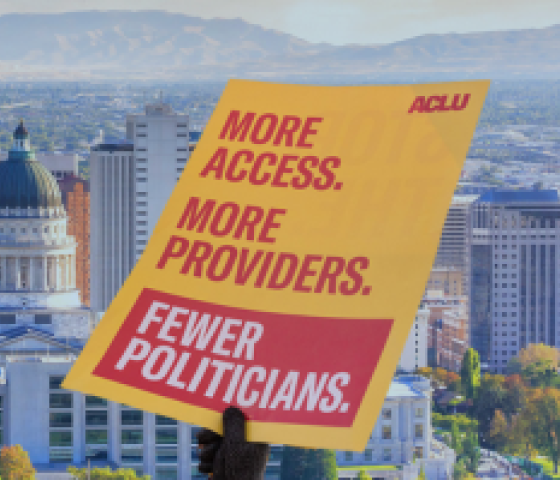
232 457
285 272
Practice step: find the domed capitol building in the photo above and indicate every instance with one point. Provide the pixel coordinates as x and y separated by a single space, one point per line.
37 257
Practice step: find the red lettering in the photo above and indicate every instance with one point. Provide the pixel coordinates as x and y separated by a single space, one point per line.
334 162
287 130
418 105
328 276
231 253
198 254
235 127
245 270
306 271
171 252
455 105
246 222
229 208
216 164
275 282
432 104
270 223
442 104
253 178
357 262
193 216
272 122
297 182
306 131
283 169
230 172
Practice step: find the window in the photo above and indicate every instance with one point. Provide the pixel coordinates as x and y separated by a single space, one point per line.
166 455
386 414
43 319
368 455
166 436
418 452
60 420
418 431
60 439
386 432
131 417
387 455
419 412
8 319
170 474
141 194
161 420
95 402
54 382
60 400
96 437
131 437
60 455
132 455
96 417
348 456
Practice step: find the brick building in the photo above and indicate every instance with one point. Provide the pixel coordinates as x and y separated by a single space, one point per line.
75 197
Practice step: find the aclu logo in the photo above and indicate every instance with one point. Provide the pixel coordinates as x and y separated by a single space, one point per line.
440 103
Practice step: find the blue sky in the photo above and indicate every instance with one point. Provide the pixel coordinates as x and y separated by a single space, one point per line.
335 21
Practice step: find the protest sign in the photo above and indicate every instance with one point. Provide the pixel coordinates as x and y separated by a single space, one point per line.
285 272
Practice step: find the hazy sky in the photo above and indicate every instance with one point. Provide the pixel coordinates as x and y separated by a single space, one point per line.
338 21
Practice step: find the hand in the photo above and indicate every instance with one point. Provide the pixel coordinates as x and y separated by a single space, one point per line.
231 457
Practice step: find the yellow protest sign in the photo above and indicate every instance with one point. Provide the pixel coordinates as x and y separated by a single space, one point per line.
285 272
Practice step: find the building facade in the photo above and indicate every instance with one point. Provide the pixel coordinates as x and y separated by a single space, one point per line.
75 198
402 437
515 278
131 182
415 352
37 256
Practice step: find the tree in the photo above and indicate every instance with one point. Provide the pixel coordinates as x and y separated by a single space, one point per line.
538 364
499 431
470 373
15 464
362 475
491 396
455 438
459 471
294 462
105 474
320 465
545 424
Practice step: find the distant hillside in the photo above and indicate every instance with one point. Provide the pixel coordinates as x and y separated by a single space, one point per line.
153 44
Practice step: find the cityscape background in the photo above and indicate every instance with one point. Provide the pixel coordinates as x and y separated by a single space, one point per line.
99 113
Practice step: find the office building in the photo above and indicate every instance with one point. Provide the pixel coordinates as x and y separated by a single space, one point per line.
453 251
131 182
75 198
448 332
401 440
514 274
447 279
415 352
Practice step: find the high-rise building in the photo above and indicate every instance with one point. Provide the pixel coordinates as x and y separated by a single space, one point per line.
453 251
75 198
415 352
131 182
515 278
161 150
447 279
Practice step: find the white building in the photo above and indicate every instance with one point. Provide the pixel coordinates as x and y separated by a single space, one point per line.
37 258
401 440
130 185
515 274
415 352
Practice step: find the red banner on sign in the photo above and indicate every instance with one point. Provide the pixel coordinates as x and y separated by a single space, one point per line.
277 367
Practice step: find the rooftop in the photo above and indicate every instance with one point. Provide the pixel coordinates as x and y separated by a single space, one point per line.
519 196
412 386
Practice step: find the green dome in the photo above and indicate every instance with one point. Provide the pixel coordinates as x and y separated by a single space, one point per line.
26 183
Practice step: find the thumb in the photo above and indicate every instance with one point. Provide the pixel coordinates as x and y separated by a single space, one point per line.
234 424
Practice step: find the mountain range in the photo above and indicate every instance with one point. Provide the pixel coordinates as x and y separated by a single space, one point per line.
155 44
